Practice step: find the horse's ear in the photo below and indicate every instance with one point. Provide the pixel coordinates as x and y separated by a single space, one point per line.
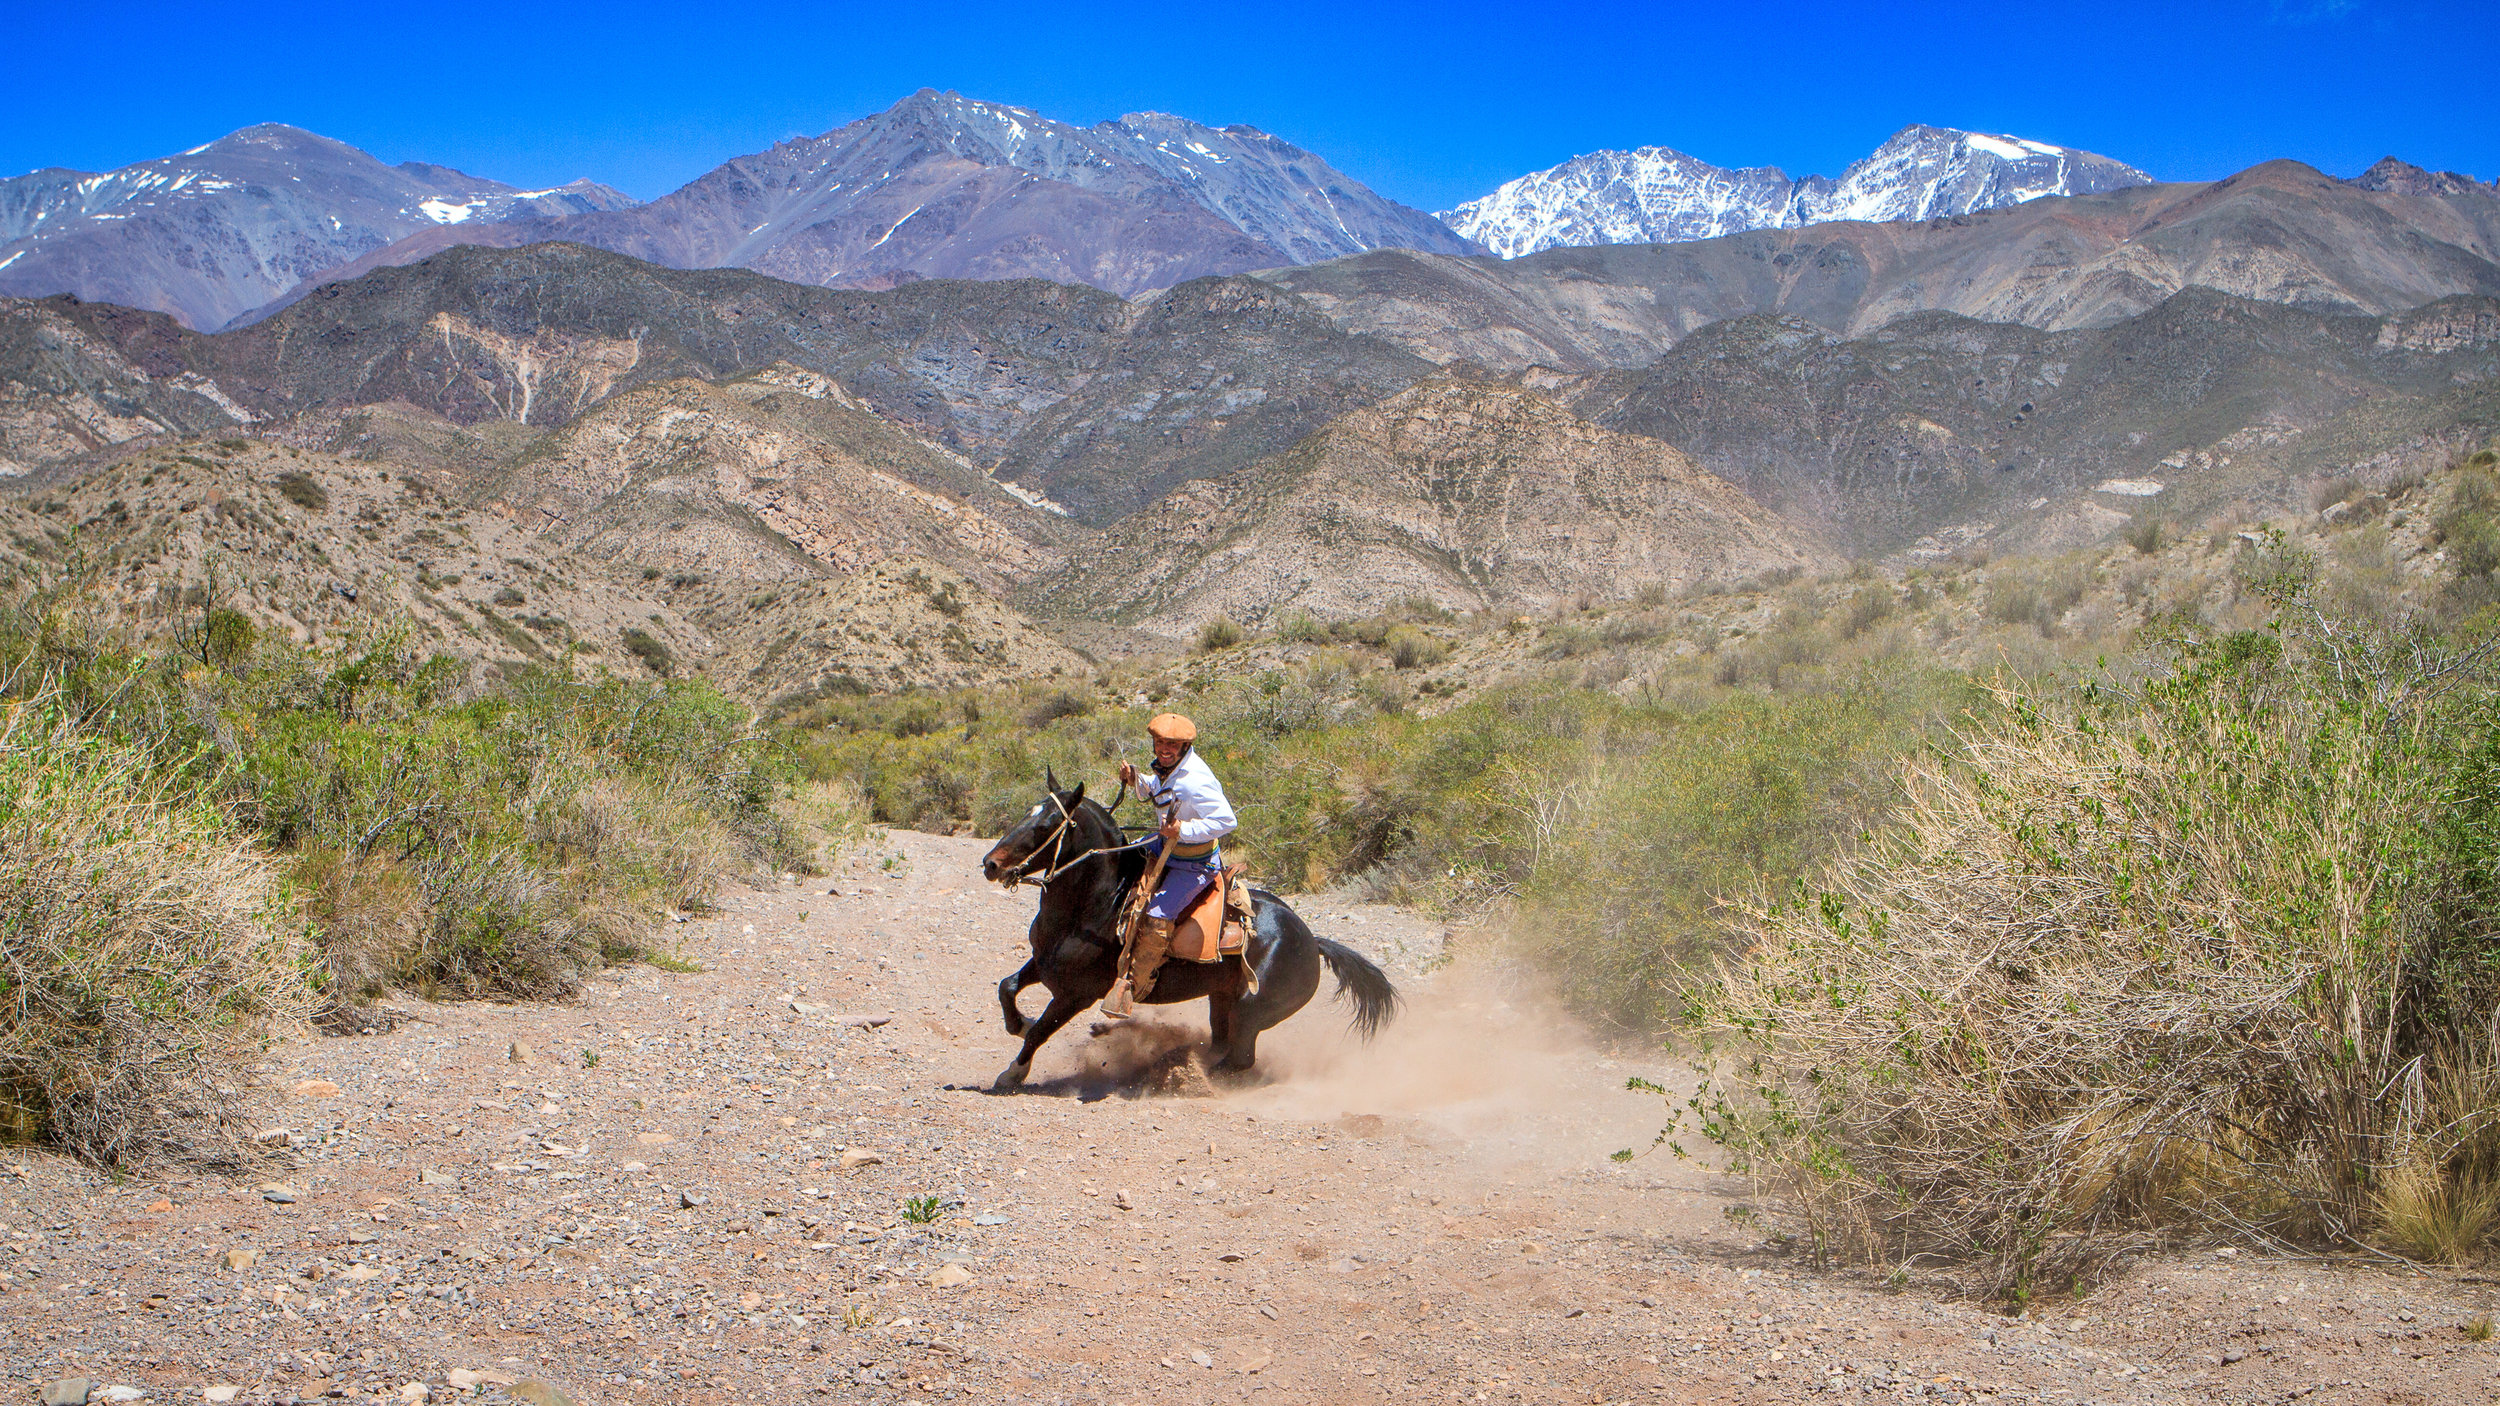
1079 798
1050 779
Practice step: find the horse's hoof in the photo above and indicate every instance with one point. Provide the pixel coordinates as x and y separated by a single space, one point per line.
1011 1078
1015 1029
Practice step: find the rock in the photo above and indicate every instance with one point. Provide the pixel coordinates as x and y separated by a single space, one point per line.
434 1176
280 1195
240 1258
361 1237
521 1053
274 1137
68 1391
655 1139
464 1378
120 1393
989 1218
220 1394
853 1158
360 1273
1269 1311
159 1206
413 1392
2236 1354
949 1275
538 1393
1199 1356
316 1088
687 1200
807 1008
1120 1199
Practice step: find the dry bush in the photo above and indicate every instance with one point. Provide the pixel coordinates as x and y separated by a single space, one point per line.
371 916
2216 964
150 956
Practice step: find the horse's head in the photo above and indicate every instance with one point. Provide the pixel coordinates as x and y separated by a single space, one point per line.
1047 833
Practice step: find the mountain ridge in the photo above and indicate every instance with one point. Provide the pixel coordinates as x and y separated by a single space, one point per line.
1657 195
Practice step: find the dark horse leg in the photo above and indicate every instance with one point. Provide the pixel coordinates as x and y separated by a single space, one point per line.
1060 1011
1008 990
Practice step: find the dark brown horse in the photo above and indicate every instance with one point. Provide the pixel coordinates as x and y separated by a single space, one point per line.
1086 868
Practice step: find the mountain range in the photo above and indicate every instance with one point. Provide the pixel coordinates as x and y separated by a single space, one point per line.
1655 195
943 186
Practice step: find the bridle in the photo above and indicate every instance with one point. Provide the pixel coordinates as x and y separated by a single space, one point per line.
1023 873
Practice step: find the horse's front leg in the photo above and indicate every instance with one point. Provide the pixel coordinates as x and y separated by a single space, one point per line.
1060 1011
1010 988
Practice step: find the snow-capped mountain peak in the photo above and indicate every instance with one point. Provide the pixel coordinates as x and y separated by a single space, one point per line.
1655 195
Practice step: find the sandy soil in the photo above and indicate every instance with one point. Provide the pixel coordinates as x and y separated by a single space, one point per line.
702 1187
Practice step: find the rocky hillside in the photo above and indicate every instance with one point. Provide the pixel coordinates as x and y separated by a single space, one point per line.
394 526
222 229
1654 195
2280 233
1940 431
1465 494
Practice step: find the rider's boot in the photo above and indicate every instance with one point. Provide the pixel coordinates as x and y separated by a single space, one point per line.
1154 948
1119 1004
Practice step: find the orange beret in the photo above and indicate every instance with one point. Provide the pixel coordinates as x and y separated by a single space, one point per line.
1172 727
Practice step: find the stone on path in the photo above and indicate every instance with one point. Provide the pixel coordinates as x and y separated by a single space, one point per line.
239 1258
68 1391
220 1394
317 1088
521 1053
854 1158
949 1275
538 1393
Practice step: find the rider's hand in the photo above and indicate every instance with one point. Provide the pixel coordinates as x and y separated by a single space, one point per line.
1171 830
1128 774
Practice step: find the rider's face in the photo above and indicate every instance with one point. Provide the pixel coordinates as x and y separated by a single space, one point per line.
1168 752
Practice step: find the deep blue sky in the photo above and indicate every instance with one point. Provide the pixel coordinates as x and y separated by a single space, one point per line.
1430 104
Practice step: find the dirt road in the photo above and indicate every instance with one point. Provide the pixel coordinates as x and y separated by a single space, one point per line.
779 1179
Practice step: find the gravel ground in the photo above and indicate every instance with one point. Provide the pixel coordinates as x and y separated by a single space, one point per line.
778 1179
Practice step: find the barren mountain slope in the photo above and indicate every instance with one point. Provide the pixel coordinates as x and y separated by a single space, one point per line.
1940 424
775 475
1071 392
325 547
1468 494
2279 232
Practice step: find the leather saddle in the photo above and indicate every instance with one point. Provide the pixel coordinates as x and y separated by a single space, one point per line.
1218 924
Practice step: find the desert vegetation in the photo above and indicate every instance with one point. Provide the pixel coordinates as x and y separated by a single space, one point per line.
205 843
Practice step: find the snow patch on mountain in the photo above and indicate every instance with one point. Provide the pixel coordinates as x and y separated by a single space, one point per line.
1656 195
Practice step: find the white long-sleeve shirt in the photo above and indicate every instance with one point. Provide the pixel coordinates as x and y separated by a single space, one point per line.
1192 793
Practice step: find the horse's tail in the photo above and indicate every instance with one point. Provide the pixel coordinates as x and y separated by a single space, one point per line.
1375 1000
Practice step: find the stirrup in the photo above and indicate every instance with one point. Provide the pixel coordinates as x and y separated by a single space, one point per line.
1118 1003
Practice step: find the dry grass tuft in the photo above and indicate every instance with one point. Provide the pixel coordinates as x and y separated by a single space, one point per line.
150 956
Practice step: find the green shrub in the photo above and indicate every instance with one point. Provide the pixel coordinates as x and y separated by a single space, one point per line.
300 489
2144 532
2219 957
1218 633
654 655
1410 648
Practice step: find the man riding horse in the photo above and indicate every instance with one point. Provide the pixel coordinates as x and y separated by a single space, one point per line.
1195 819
